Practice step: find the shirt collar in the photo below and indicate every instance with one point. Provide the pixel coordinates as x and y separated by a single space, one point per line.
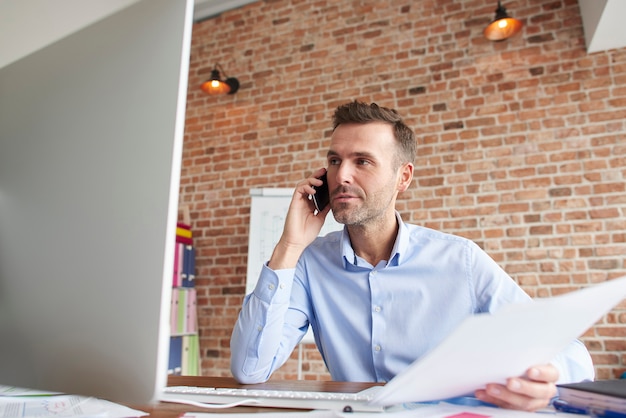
399 247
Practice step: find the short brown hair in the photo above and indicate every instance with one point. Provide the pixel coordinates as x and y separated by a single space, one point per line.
359 112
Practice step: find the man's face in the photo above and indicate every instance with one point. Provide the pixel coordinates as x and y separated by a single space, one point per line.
363 179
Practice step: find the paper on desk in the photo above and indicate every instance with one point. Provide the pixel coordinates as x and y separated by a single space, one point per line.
65 406
273 414
18 391
491 348
440 410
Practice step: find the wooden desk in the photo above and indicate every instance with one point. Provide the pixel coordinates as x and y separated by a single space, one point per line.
171 410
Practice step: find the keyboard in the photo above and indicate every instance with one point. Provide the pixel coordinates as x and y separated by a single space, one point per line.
207 397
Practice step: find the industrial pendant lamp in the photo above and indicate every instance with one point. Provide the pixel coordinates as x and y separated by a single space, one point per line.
503 26
215 85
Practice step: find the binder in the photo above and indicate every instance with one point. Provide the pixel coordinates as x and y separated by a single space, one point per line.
181 315
605 395
192 319
175 365
190 357
189 266
176 273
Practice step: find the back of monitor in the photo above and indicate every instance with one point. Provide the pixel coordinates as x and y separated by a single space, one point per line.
90 145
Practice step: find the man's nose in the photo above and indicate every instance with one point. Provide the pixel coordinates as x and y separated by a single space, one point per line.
344 174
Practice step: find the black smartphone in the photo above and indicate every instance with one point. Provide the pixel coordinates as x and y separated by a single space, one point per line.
321 196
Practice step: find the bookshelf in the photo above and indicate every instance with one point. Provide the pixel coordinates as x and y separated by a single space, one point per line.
184 357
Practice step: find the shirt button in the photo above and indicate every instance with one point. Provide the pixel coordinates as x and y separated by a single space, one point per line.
282 285
377 309
259 328
271 287
377 347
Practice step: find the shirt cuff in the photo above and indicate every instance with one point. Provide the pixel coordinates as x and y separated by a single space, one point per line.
274 286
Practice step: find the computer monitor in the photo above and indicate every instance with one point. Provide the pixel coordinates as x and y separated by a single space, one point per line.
91 132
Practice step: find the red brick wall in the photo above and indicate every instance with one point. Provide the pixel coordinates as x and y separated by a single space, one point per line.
522 143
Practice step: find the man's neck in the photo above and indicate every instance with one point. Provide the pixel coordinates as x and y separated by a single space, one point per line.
374 242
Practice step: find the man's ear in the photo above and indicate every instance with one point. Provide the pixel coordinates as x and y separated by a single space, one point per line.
406 176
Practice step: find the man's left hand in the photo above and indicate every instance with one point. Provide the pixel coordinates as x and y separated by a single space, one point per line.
527 393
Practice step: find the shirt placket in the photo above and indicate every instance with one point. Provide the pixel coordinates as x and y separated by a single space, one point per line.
378 323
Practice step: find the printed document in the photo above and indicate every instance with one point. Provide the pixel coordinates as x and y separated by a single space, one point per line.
27 403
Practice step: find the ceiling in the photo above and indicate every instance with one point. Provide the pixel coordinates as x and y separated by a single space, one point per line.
29 25
603 24
205 9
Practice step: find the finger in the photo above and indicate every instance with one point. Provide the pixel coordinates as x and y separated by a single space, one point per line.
531 388
306 185
319 172
520 393
314 179
494 394
543 373
533 391
500 396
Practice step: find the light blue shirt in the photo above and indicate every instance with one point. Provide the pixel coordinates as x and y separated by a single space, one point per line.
371 322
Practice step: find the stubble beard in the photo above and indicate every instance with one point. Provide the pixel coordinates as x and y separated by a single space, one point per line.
364 212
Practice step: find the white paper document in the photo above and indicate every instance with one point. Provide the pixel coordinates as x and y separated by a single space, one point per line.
491 348
27 403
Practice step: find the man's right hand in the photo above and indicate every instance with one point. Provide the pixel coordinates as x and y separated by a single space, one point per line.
302 224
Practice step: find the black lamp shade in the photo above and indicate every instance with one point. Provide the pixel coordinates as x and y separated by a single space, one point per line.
215 85
503 26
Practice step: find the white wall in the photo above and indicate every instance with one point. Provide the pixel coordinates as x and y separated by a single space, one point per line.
29 25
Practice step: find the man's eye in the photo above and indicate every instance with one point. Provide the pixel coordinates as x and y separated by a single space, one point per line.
333 161
363 162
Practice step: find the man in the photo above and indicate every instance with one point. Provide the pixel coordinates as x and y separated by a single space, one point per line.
380 293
